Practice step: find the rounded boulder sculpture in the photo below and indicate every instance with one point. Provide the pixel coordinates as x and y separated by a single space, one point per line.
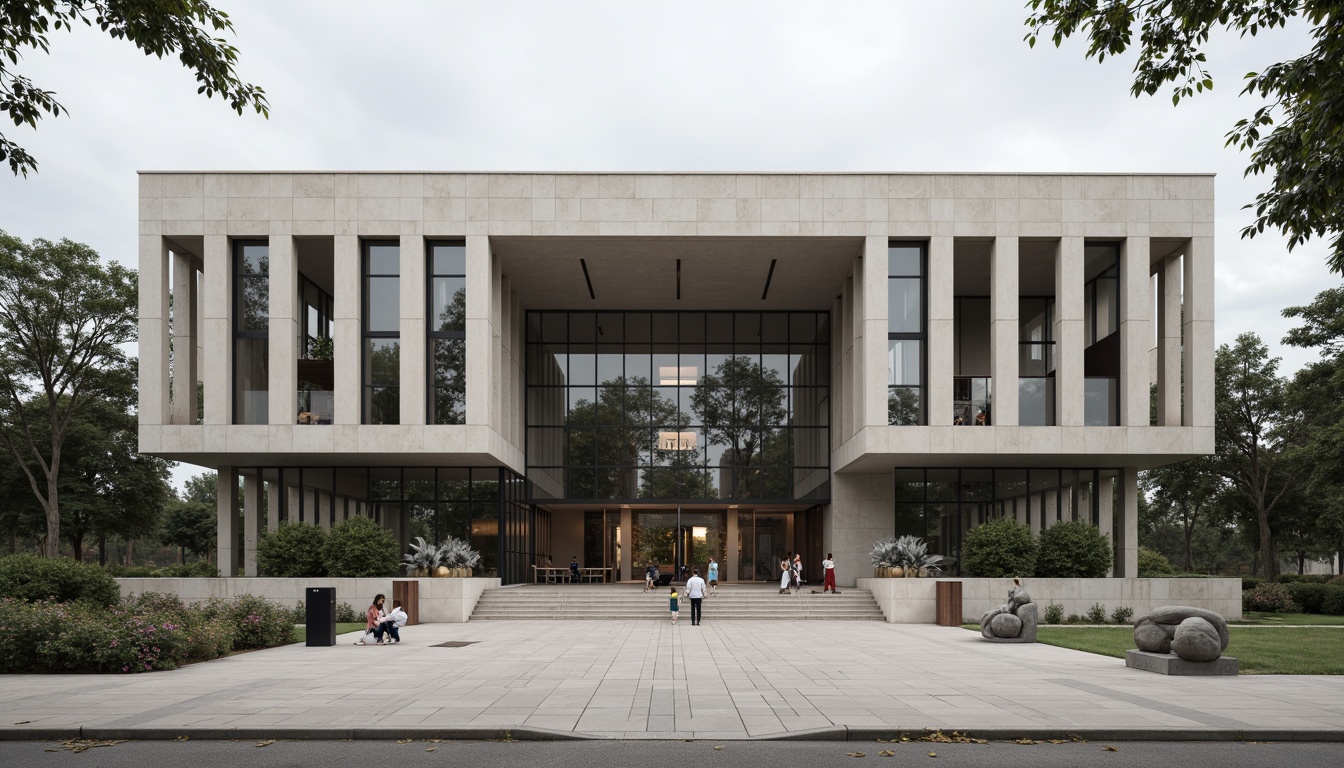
1193 634
1013 622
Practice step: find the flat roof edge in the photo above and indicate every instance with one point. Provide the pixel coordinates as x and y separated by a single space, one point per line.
699 173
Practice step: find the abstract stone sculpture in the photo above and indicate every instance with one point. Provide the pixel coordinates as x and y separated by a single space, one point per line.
1156 631
1178 640
1013 622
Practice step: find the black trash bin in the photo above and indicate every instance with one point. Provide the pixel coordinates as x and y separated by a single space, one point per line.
321 616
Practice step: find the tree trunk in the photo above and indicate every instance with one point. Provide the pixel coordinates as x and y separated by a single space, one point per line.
130 551
1301 563
77 544
1188 565
1269 560
52 546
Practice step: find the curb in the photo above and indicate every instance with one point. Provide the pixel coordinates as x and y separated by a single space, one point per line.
836 733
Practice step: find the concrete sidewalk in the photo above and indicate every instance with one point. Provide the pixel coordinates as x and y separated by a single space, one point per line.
646 679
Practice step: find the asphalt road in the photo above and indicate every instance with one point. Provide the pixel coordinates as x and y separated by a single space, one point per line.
699 754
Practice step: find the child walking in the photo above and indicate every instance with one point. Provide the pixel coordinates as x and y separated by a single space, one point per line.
673 605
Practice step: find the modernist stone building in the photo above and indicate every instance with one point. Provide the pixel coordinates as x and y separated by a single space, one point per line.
669 367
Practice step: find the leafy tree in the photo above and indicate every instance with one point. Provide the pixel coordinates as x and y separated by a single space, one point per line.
740 404
1255 429
1154 564
1073 549
999 548
360 548
1183 491
1304 150
192 527
64 319
179 27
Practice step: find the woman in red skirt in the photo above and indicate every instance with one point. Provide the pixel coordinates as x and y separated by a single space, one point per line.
829 565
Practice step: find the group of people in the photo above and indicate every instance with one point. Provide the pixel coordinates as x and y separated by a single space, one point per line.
379 622
652 575
791 574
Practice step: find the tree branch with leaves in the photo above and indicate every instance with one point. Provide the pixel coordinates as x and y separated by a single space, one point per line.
158 27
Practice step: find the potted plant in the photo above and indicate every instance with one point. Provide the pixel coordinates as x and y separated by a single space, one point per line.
423 559
458 557
886 559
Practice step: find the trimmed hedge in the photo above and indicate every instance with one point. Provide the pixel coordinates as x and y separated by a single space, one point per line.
293 550
1073 550
1250 582
1308 596
1303 578
31 578
1154 564
1333 604
1000 548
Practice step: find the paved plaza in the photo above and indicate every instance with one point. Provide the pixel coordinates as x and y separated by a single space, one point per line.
647 679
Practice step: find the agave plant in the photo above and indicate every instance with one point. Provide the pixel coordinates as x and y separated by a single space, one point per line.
423 556
457 553
885 553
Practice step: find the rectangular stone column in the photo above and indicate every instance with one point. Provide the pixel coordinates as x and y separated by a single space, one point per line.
153 327
940 328
728 566
347 344
272 506
845 352
874 357
1004 331
251 522
413 353
1127 544
1069 332
184 402
1169 342
631 569
217 296
226 509
283 332
479 332
1136 331
1105 491
1198 333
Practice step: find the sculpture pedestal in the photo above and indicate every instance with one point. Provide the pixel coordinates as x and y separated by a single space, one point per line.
1171 664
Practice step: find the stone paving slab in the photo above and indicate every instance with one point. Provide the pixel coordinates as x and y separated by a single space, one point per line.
647 679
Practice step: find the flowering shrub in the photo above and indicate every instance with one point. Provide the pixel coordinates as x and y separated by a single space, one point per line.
144 633
255 622
1269 597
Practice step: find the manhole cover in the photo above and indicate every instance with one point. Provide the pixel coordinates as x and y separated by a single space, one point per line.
455 644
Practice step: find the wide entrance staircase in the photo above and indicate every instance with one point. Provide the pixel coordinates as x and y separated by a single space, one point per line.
603 602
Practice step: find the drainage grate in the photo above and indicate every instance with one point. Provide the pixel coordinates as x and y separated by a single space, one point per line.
455 644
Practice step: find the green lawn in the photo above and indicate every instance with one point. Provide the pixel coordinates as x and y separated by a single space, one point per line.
301 632
1281 619
1266 651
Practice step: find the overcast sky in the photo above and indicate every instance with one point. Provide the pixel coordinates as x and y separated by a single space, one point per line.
642 86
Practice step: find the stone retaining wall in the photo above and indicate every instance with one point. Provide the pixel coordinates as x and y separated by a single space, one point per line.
441 600
912 601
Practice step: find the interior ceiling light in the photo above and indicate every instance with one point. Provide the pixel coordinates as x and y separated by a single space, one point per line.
584 264
677 375
768 277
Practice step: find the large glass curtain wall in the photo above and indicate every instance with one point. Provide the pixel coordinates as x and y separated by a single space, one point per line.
447 313
940 505
679 405
251 331
907 331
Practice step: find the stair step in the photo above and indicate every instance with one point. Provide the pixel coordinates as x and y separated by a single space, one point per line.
594 602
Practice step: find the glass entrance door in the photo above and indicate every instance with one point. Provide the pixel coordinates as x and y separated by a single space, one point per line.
602 541
763 538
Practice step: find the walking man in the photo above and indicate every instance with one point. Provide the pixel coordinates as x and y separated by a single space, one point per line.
695 590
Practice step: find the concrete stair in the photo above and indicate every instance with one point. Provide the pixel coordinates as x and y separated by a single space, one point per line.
602 602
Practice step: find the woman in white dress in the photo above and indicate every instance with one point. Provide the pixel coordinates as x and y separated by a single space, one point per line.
785 575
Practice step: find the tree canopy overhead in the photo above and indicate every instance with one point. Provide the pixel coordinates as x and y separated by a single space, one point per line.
157 27
1294 135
